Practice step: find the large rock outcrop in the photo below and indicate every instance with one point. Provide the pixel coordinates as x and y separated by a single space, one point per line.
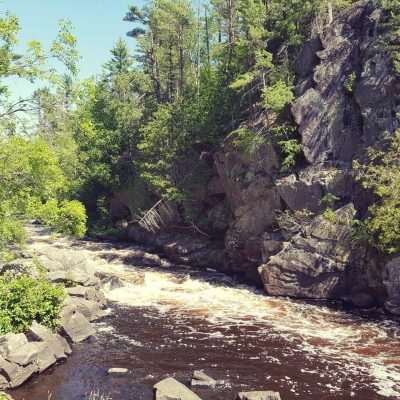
348 100
313 264
248 181
354 95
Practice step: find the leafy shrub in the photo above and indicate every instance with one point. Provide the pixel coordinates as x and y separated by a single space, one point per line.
247 141
11 231
286 137
290 150
72 218
349 82
382 175
329 200
330 215
67 217
277 96
25 299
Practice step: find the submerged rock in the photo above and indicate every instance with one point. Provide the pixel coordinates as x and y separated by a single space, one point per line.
171 389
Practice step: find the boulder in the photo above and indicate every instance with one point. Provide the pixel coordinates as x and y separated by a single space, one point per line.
171 389
21 375
89 309
109 282
259 395
67 266
11 342
313 264
56 344
27 353
88 293
7 369
74 326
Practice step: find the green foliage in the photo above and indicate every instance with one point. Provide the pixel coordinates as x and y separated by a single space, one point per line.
285 136
72 218
247 141
67 217
277 96
393 9
382 175
329 200
25 299
330 215
349 82
291 149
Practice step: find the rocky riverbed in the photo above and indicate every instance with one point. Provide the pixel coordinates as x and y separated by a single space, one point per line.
167 321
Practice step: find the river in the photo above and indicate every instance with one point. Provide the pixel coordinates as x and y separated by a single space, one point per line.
170 321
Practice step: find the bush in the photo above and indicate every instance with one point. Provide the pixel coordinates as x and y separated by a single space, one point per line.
67 217
25 299
382 176
72 218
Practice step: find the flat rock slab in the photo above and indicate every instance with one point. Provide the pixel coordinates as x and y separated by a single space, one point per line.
171 389
259 395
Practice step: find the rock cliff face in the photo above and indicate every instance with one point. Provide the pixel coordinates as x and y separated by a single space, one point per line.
348 99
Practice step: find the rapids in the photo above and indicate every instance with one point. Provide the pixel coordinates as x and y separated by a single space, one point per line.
170 320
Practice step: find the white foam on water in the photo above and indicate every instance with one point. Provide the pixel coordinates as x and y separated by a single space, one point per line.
360 347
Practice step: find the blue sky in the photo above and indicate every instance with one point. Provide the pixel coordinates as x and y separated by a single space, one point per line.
98 24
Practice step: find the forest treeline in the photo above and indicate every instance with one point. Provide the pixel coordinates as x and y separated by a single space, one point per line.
201 72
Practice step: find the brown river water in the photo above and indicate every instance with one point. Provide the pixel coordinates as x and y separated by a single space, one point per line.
171 321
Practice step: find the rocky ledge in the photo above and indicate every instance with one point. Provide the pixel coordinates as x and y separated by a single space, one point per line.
24 354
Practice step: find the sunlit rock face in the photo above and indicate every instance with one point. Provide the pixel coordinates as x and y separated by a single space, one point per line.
354 93
348 100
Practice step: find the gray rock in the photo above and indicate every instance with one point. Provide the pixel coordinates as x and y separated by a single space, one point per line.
66 266
4 384
21 375
88 293
336 124
56 344
75 326
313 264
259 395
89 309
11 342
171 389
27 353
110 282
7 369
